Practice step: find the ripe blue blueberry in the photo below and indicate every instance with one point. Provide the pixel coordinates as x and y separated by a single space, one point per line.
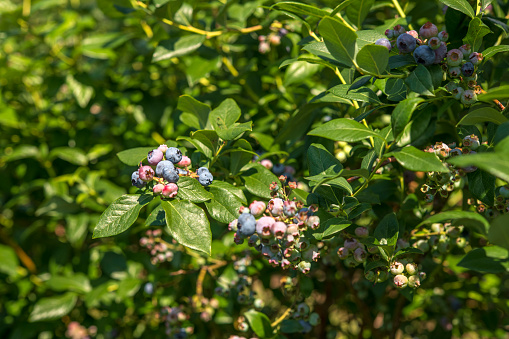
205 178
136 181
162 165
384 42
246 224
170 174
174 155
468 69
154 157
406 43
201 170
389 33
278 169
440 52
424 55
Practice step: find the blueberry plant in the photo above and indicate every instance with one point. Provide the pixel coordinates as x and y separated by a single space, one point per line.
254 169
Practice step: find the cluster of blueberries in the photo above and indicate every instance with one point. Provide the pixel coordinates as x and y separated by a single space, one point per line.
274 39
175 319
278 233
501 203
166 174
429 47
158 249
405 274
443 183
441 239
240 288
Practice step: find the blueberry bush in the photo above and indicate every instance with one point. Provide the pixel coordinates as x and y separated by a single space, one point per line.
254 169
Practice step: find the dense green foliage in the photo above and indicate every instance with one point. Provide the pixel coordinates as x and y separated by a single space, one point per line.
88 87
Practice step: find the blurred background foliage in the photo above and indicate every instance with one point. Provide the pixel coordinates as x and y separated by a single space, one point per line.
81 80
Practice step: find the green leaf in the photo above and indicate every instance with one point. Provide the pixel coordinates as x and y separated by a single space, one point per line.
81 92
368 37
157 217
497 93
482 186
198 111
491 51
72 155
298 72
333 226
420 81
460 5
53 308
397 61
495 163
362 94
476 31
373 59
499 231
188 224
492 259
386 233
9 263
120 215
483 114
321 161
342 5
258 179
190 189
225 205
395 89
407 251
416 160
374 264
469 219
301 9
339 39
344 130
402 114
205 141
357 11
78 282
176 47
259 323
223 119
133 156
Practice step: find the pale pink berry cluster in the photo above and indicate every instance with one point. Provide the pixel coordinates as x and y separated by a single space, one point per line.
174 319
77 331
406 274
440 239
272 39
158 249
353 251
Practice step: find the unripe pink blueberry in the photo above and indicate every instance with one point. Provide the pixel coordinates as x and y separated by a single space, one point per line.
275 40
146 173
278 229
304 267
454 57
158 189
285 263
264 225
351 244
362 232
413 33
276 206
289 208
257 208
384 42
170 190
267 164
163 148
414 281
184 162
360 255
313 222
263 47
400 281
444 36
293 229
428 30
233 225
467 98
155 156
397 268
476 58
465 50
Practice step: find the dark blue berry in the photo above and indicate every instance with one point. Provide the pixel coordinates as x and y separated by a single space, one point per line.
162 165
174 155
468 69
136 181
170 175
246 224
384 42
205 178
202 170
424 55
406 43
278 169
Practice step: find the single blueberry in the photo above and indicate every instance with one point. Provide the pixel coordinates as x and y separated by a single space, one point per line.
136 181
201 170
468 69
406 43
384 42
246 224
174 155
170 175
205 178
278 169
182 171
424 55
162 165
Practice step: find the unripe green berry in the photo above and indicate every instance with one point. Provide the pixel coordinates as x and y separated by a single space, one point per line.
397 268
454 57
350 262
382 276
411 268
468 97
461 242
414 281
422 245
370 276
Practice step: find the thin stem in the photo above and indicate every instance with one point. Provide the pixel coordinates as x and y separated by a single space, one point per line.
400 11
282 317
